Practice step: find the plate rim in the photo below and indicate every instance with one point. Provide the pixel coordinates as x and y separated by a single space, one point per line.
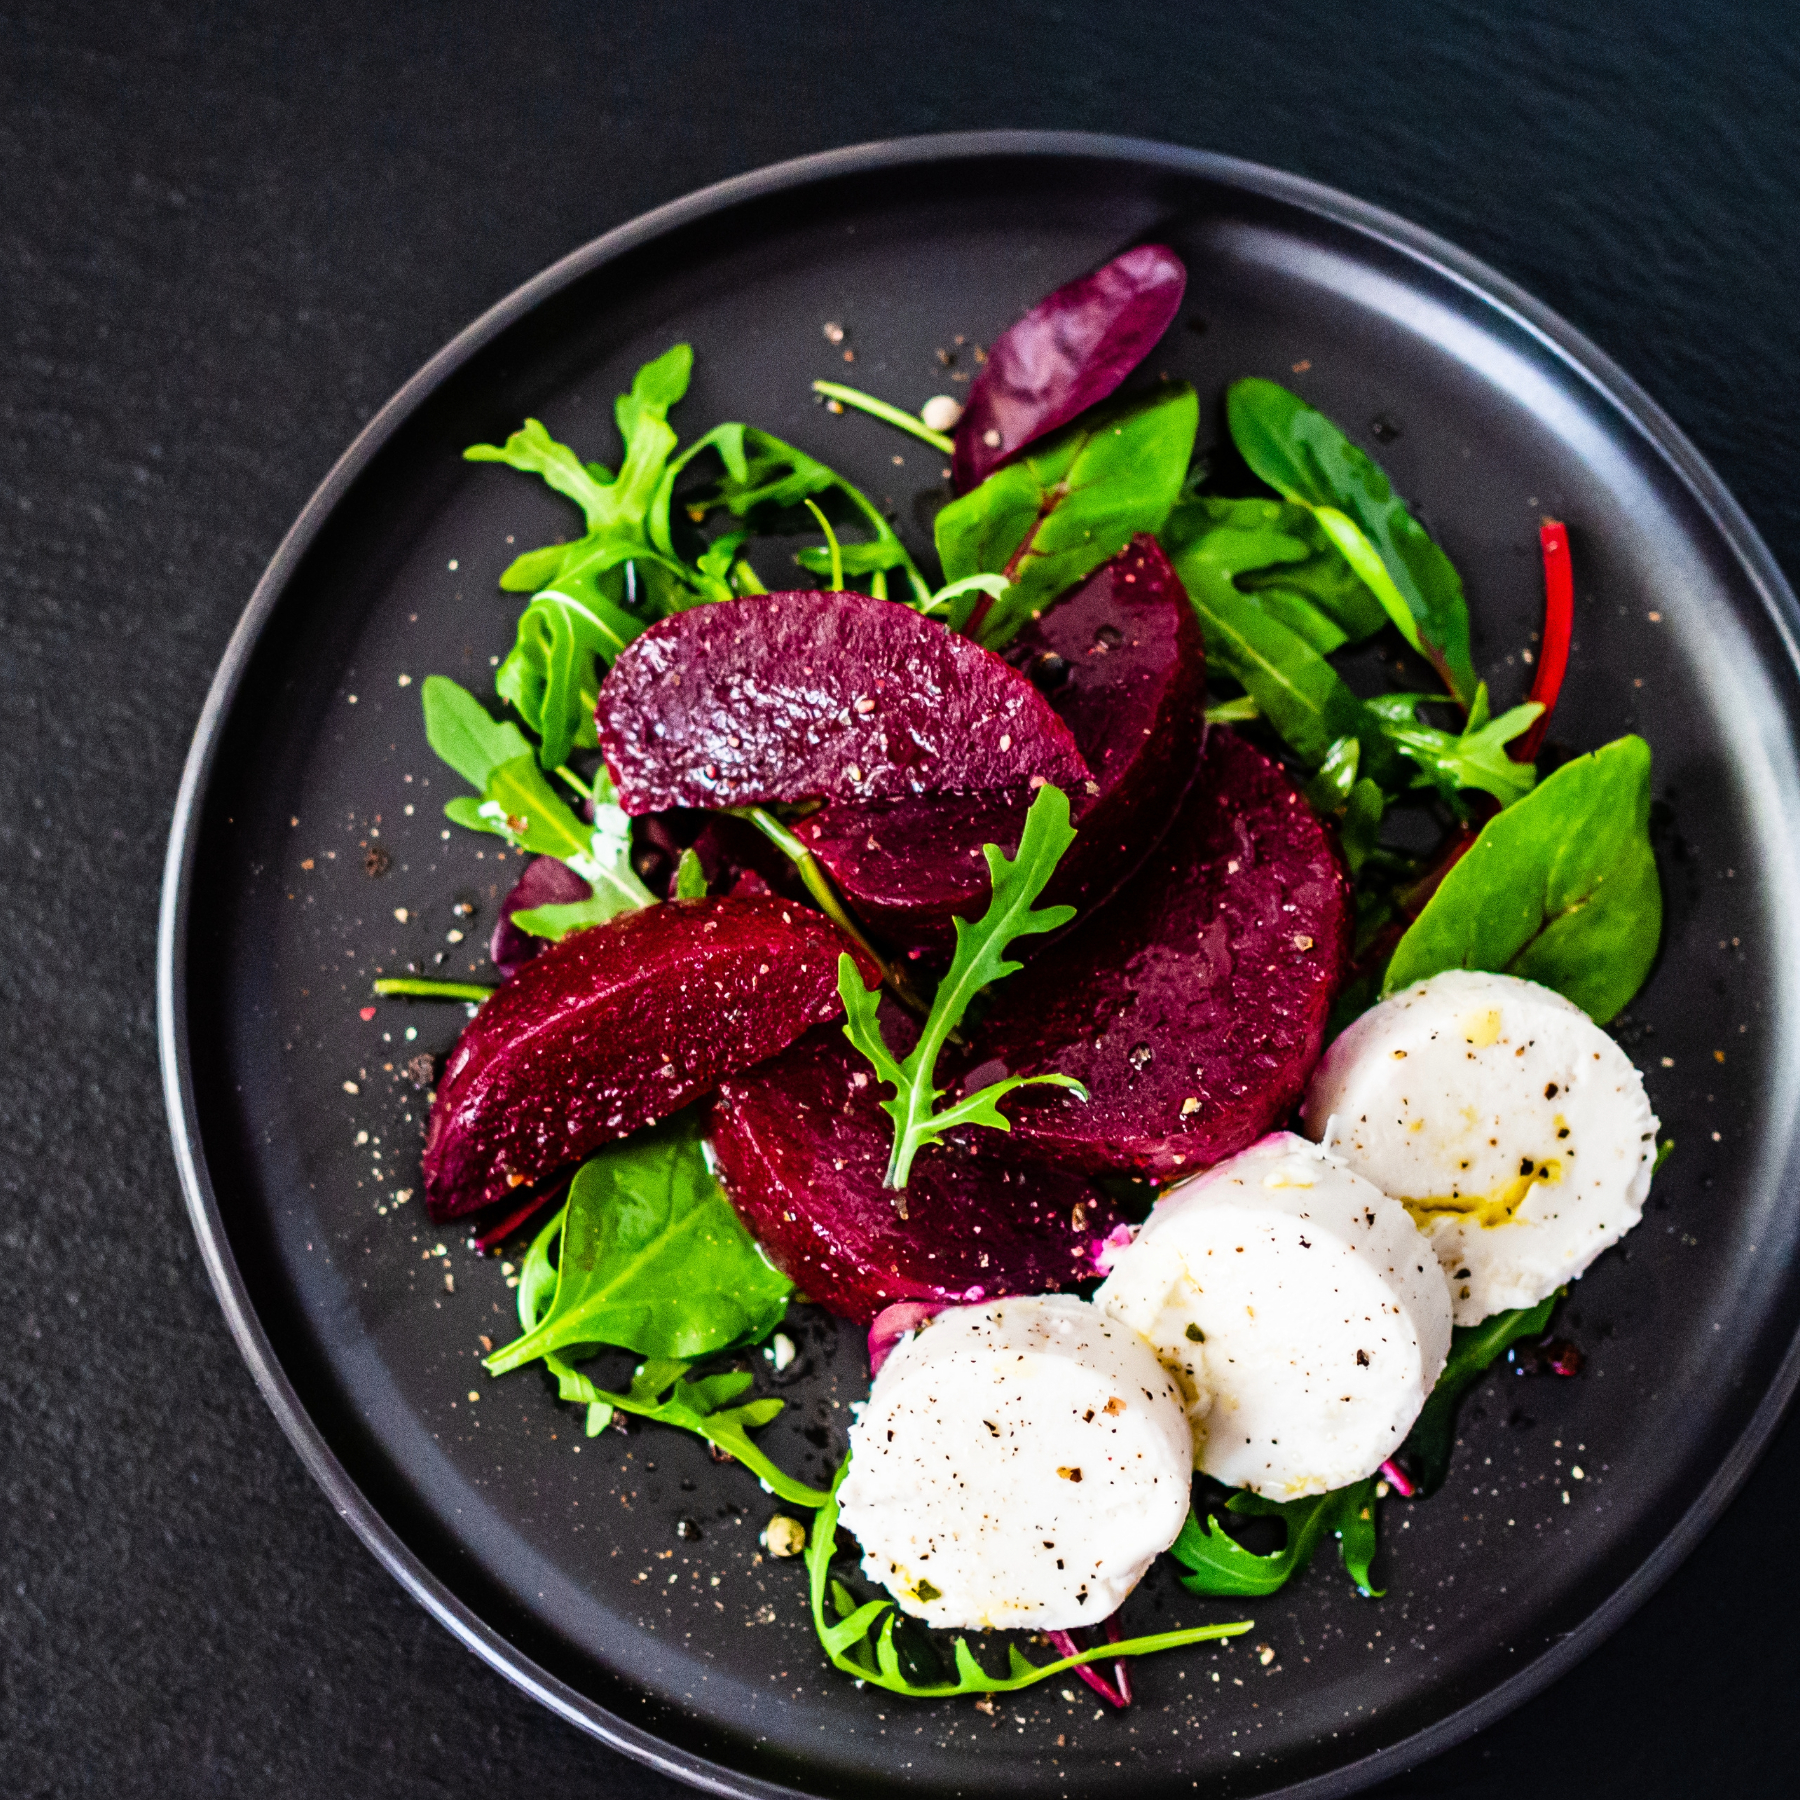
1578 356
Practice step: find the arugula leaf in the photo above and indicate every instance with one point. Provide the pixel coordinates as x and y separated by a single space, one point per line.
533 451
1560 888
615 509
1306 458
980 959
853 1645
653 1258
1220 1565
1310 706
662 1391
518 804
1068 504
1425 1455
459 728
549 674
1452 763
609 505
763 478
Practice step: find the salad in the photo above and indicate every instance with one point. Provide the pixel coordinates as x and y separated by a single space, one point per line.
1187 1066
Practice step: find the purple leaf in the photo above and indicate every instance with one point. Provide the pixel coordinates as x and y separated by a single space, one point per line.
1071 350
546 882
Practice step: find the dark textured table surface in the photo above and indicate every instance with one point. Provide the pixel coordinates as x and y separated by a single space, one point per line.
227 233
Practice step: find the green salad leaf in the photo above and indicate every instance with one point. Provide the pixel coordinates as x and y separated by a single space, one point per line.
518 804
690 877
1473 1348
651 1257
979 960
461 731
1306 701
851 1639
1063 508
1452 762
763 478
551 673
1560 888
1320 598
663 1392
615 508
1218 1564
1307 459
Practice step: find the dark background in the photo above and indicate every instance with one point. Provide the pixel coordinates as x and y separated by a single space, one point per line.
227 233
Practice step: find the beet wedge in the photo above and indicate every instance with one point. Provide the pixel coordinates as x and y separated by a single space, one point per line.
1193 1005
813 695
801 1146
618 1026
1070 351
1123 663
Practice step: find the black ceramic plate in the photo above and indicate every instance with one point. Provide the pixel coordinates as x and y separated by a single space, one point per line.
557 1558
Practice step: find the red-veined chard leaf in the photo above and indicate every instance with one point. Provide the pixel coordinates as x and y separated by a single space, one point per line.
1065 507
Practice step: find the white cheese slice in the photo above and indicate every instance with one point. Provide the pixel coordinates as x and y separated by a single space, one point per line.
1511 1127
1301 1310
1020 1463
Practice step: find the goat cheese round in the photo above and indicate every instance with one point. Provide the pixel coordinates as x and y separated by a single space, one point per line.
1299 1308
1511 1127
1018 1464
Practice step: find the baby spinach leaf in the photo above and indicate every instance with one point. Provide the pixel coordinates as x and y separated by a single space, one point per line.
549 674
980 959
1453 762
1322 598
459 728
653 1258
1425 1455
1066 506
1560 888
1302 696
1306 458
856 1647
1218 1564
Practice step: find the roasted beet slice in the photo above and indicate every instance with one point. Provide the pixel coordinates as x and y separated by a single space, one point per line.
820 695
617 1026
1193 1004
801 1150
547 881
1072 349
1123 663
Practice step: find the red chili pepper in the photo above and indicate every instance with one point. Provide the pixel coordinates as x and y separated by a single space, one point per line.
1559 625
